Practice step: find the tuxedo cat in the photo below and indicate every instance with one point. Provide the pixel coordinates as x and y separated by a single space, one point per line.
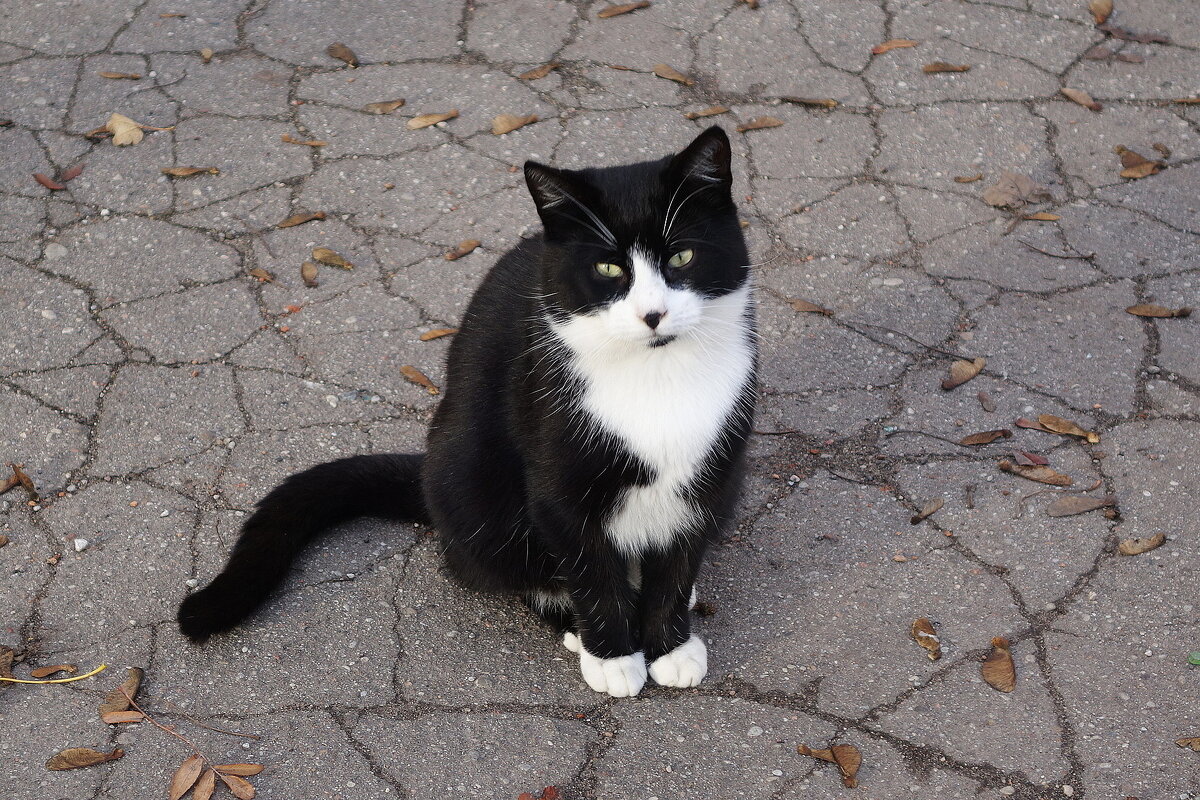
589 444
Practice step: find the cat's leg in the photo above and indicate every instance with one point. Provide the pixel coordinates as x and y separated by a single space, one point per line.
676 656
605 610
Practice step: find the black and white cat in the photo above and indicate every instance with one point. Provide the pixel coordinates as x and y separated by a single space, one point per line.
590 441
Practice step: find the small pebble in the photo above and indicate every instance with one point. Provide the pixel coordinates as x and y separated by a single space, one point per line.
1007 790
1068 789
81 545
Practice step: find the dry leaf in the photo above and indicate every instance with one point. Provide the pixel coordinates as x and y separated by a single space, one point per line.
923 634
810 102
1134 165
1022 422
672 74
24 479
261 274
187 172
116 700
1027 459
1071 504
998 668
804 306
758 123
46 672
415 375
241 788
962 371
1101 9
1192 742
245 770
1185 101
206 54
205 786
437 333
892 44
942 66
120 76
1014 190
1039 473
1066 427
287 138
932 507
1135 547
507 123
846 756
300 219
124 130
342 53
1161 148
76 757
978 176
118 717
1042 216
72 173
48 182
1129 36
308 274
823 755
185 776
463 247
425 120
538 73
1083 98
330 257
623 8
383 107
711 111
1151 310
985 437
986 402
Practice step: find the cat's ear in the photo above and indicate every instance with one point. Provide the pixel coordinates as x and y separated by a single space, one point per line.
706 158
550 187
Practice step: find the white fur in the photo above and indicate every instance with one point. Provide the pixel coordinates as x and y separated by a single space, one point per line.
666 404
571 642
683 667
623 676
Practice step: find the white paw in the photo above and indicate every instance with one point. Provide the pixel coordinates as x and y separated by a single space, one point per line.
571 641
622 676
683 667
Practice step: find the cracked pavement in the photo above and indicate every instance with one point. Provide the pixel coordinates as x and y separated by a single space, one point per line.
154 390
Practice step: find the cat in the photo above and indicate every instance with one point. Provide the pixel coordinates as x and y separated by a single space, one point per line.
590 441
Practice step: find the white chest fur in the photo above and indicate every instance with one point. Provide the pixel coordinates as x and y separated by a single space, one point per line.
667 405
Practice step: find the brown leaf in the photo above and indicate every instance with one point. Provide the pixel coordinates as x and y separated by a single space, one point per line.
892 44
461 249
1042 216
823 755
330 257
383 106
116 701
1130 58
1159 147
342 53
942 66
308 274
206 54
3 538
623 8
932 507
759 122
1066 427
241 788
537 73
848 760
711 111
1136 165
1071 504
1081 97
507 123
76 757
187 172
1027 459
124 130
414 375
1014 190
810 102
1098 53
672 74
261 274
24 480
1022 422
804 306
1151 310
978 176
998 668
1135 547
1041 474
185 776
985 437
72 173
46 672
923 634
240 769
287 138
300 219
1185 101
1101 9
963 371
205 786
48 182
118 717
1192 742
120 76
986 402
1129 36
425 120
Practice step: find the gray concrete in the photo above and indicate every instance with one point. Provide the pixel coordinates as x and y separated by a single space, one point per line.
154 390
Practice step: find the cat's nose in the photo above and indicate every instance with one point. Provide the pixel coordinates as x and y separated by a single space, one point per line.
653 318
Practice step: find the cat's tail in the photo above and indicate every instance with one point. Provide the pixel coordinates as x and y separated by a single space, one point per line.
387 485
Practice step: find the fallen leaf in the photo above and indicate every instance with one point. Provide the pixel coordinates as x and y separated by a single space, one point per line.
414 375
46 672
758 123
1130 58
846 756
3 538
1027 459
1185 101
124 130
119 717
751 3
1101 9
308 274
1022 422
810 102
461 249
1135 547
1071 504
1014 190
1192 742
384 106
289 139
437 333
185 777
1066 427
1134 165
23 479
986 402
206 54
300 219
892 44
72 173
711 111
1159 147
188 172
1151 310
537 73
998 668
550 793
116 700
1039 473
942 66
985 437
804 306
48 182
932 507
672 74
1118 32
330 257
171 16
978 176
262 275
1098 53
962 371
241 788
923 634
1042 216
507 123
1081 97
425 120
342 53
239 769
623 8
824 755
76 757
205 786
120 76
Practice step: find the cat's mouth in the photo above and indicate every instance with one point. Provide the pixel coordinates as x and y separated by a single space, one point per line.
660 341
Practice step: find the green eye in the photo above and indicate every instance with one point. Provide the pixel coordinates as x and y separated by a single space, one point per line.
609 270
681 259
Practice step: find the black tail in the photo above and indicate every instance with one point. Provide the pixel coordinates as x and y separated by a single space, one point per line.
288 518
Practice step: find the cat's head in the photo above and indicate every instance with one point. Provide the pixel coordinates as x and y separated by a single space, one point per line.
646 253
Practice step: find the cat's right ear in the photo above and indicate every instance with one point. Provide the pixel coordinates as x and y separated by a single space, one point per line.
550 187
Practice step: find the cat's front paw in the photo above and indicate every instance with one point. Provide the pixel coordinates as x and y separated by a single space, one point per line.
683 667
622 676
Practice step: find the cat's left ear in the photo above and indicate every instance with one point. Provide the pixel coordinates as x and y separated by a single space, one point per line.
706 158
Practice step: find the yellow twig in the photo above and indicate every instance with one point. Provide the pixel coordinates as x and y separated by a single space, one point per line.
98 669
